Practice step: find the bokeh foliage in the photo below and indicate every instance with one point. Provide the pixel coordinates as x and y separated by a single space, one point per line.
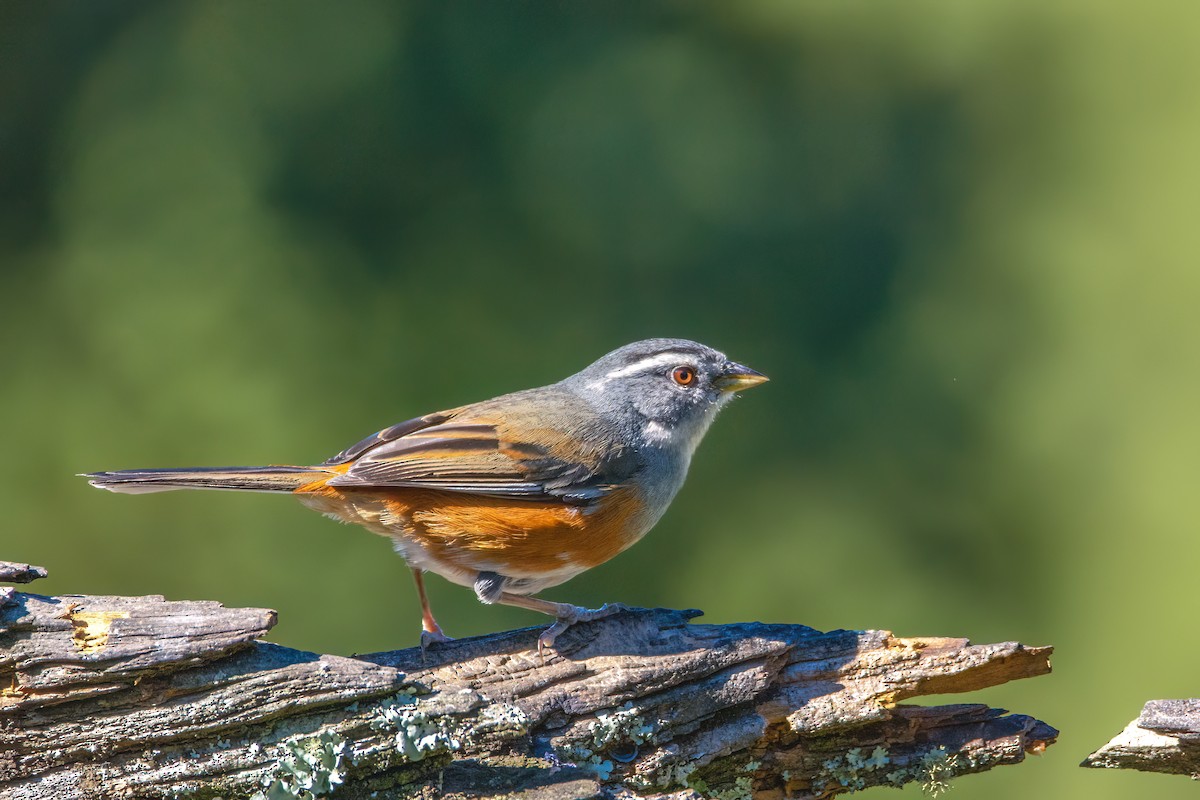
960 237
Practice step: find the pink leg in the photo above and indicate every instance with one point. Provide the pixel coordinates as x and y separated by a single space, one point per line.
430 631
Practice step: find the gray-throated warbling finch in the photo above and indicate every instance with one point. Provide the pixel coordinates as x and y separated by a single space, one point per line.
519 493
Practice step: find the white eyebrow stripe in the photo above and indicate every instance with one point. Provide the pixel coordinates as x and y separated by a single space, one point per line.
646 364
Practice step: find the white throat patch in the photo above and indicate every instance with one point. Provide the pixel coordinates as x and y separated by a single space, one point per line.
686 436
656 433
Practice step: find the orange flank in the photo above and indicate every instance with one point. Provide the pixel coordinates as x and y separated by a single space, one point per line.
515 537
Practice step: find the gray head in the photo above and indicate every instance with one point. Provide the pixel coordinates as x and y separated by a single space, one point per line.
667 390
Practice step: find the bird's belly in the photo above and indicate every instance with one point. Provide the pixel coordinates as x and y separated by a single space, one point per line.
533 543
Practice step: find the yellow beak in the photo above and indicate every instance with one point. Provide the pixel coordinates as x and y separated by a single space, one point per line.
738 377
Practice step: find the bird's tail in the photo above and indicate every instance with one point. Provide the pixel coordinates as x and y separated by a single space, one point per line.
246 479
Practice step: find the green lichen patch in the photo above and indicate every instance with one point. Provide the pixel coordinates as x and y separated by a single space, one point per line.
625 726
310 768
935 770
502 718
857 769
418 734
852 770
740 789
614 735
739 786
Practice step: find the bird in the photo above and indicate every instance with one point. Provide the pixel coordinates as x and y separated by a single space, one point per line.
516 494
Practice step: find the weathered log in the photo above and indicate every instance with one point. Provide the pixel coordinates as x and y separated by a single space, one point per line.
1164 738
143 697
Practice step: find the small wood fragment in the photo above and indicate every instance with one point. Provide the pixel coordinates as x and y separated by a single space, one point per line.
1164 738
15 572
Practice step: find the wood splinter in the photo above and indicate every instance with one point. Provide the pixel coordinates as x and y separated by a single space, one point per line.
1164 738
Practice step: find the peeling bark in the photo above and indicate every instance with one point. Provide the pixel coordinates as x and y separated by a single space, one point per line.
142 697
1164 738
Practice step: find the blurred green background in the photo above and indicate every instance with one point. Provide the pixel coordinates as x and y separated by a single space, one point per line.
960 237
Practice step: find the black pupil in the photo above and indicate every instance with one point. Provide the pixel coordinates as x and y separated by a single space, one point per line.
684 375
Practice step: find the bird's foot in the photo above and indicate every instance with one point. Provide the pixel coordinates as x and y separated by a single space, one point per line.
435 636
572 615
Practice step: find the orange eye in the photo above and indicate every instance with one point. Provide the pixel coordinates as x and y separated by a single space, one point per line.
684 376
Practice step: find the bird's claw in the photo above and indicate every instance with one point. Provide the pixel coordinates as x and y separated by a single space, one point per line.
433 637
576 614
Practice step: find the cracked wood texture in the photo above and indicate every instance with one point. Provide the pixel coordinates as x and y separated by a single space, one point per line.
143 697
1164 738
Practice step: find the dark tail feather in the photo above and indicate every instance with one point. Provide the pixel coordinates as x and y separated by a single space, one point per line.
246 479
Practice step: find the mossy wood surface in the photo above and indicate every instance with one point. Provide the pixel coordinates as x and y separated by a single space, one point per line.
1164 738
142 697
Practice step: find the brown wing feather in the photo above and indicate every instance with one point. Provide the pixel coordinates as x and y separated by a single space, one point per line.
386 435
463 452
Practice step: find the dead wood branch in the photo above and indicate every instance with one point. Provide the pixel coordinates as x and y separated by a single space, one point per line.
143 697
1164 738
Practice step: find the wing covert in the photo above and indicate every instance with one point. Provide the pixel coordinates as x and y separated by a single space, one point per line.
471 455
386 435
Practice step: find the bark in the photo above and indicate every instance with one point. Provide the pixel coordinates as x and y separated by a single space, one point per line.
13 572
1164 738
144 697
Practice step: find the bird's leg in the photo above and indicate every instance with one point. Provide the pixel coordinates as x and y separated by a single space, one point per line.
565 614
430 631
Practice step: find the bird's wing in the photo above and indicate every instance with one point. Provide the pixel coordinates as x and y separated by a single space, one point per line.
476 452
